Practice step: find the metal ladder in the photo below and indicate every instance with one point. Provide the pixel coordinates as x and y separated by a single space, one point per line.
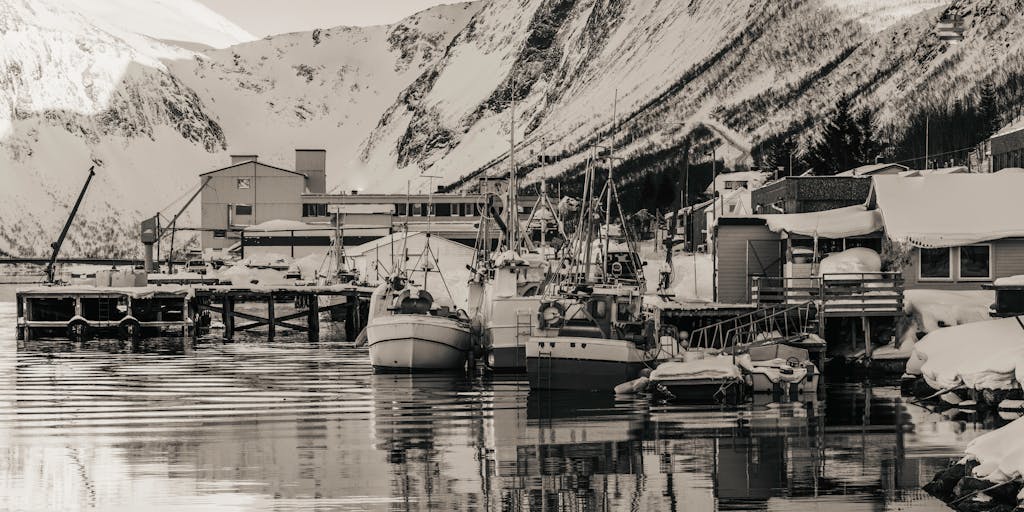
787 320
524 329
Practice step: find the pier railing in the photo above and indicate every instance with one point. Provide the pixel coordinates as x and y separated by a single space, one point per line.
836 294
769 322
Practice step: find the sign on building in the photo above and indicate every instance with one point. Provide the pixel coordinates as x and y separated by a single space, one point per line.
150 230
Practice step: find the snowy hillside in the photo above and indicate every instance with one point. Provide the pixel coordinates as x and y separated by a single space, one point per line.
431 93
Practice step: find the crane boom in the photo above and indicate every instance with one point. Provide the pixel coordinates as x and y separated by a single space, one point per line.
67 225
174 223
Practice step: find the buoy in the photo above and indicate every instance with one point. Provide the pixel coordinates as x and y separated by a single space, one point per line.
636 385
950 398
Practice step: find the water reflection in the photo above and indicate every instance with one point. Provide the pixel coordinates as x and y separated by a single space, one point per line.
294 426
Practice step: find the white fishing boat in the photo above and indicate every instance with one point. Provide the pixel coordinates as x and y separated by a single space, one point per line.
594 340
408 331
505 288
594 330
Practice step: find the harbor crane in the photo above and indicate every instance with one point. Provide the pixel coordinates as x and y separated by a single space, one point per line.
67 225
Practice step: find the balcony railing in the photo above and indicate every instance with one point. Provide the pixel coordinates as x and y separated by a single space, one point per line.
837 294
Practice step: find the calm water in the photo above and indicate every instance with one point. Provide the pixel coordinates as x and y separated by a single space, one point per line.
293 427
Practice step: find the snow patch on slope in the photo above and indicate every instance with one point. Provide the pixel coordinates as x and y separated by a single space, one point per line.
171 20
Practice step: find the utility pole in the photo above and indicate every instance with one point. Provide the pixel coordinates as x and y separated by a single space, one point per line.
927 126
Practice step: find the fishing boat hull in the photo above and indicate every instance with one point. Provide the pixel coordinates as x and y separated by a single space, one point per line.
581 364
507 327
506 359
417 343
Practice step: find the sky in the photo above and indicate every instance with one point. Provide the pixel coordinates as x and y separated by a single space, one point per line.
268 17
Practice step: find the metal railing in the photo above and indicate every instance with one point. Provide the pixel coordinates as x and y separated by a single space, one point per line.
768 322
835 294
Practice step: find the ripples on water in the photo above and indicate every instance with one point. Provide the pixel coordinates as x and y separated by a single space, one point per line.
291 426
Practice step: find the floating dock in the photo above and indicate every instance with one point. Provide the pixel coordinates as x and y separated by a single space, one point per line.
83 313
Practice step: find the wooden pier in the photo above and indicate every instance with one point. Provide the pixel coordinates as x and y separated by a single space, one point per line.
345 302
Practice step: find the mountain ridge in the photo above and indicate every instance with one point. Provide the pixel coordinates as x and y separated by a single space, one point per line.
431 94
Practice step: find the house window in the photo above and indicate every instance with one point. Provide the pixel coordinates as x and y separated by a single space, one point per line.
417 209
314 210
243 182
935 263
976 262
443 209
401 209
243 209
219 233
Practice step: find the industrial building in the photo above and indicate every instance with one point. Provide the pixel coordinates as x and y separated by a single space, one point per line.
249 192
256 205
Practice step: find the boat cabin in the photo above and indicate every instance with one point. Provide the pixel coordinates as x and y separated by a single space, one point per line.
605 313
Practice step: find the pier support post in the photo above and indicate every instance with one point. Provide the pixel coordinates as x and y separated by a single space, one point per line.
313 319
228 305
866 326
270 318
352 318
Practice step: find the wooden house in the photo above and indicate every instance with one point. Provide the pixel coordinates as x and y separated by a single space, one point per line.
956 231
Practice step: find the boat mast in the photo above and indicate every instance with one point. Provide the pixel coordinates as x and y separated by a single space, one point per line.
608 204
588 223
512 208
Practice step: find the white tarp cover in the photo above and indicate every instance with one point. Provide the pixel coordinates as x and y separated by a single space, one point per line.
951 210
708 368
854 220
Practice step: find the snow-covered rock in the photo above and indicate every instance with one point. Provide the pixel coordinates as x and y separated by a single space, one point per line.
1000 453
981 355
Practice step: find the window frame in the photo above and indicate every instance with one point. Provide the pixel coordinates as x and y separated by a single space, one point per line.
920 266
247 181
249 206
991 263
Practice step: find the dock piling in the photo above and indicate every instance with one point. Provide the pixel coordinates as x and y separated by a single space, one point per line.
270 318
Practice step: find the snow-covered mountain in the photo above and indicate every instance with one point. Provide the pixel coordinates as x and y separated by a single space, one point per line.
431 93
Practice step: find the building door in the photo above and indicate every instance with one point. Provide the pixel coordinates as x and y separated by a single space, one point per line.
765 259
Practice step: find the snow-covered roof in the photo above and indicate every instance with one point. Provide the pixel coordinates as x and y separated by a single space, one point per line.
393 238
959 169
753 179
950 210
364 208
854 220
875 169
1015 126
282 225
